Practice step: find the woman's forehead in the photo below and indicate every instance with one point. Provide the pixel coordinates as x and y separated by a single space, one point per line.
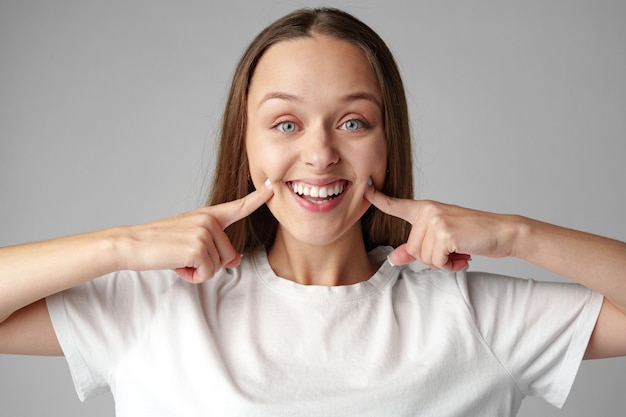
314 65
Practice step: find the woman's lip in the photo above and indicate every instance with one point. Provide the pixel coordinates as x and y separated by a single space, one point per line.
318 204
318 181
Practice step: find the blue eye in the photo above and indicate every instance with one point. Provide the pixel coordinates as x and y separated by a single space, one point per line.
287 127
354 124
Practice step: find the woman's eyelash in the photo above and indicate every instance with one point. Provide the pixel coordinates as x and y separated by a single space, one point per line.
360 124
280 125
288 126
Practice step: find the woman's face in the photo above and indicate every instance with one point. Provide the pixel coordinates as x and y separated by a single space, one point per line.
315 129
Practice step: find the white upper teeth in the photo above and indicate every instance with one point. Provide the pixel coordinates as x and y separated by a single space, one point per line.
315 191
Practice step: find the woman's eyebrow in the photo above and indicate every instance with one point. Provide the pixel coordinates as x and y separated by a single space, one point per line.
363 95
356 96
278 95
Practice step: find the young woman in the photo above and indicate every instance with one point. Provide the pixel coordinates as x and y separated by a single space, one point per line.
320 315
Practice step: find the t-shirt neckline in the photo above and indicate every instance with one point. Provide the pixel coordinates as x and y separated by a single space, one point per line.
320 293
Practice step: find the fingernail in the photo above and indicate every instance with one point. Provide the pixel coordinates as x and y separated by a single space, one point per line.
389 260
268 183
369 181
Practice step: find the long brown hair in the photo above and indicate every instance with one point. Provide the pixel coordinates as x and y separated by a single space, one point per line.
231 179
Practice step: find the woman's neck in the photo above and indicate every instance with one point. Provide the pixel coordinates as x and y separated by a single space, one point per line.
342 262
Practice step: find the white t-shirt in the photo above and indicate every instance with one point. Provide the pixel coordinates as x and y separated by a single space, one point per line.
249 343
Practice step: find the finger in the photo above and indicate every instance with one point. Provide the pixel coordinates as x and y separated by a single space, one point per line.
185 273
219 253
203 266
450 262
459 261
210 261
235 262
397 207
400 256
453 263
228 213
226 253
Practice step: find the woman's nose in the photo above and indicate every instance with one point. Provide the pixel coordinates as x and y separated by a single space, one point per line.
319 151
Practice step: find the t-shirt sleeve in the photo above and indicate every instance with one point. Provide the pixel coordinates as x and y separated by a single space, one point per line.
538 330
97 322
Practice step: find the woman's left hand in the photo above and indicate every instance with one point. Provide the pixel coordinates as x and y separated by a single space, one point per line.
444 236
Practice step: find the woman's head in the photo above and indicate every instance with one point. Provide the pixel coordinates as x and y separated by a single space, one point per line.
232 176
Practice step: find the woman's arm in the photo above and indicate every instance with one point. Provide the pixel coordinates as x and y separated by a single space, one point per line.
33 271
29 273
445 236
597 262
29 331
193 243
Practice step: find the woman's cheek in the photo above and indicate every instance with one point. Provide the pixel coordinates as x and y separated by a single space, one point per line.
377 163
265 163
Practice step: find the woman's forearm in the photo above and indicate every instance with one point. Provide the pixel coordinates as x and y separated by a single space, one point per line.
193 244
596 262
33 271
442 236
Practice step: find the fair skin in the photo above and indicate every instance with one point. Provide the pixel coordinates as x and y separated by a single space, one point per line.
193 244
326 133
314 121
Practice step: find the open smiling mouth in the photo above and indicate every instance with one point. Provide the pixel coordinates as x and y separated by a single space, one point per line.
318 194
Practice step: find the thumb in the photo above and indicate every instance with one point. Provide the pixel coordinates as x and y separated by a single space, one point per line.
232 211
400 256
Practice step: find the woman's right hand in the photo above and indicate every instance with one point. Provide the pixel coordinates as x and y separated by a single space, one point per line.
193 243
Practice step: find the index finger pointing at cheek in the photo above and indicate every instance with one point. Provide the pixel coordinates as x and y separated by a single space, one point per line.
228 213
398 207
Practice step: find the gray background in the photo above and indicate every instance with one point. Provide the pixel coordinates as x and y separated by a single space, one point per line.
109 110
